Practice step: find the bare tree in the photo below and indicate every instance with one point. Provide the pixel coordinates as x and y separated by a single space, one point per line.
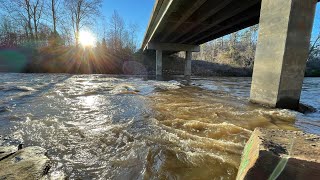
54 15
19 10
36 9
7 32
82 13
53 11
131 40
314 48
116 31
29 16
27 11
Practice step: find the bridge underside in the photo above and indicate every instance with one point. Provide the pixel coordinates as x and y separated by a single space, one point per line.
199 21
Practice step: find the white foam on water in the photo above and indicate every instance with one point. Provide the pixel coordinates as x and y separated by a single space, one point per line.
167 85
124 89
144 87
25 88
284 113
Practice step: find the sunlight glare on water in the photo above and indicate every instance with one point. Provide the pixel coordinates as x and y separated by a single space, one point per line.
116 127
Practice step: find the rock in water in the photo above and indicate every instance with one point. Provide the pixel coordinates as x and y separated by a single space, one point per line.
280 154
6 151
27 163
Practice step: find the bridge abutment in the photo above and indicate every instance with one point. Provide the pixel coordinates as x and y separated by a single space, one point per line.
282 51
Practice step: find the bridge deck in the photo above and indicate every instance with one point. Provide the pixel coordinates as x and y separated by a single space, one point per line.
196 22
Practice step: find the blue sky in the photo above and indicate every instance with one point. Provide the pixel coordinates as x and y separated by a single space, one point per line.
316 25
139 11
132 11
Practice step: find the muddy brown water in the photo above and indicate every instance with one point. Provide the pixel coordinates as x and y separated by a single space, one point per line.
120 127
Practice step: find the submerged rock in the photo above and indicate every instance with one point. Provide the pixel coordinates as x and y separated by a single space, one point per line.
303 108
28 163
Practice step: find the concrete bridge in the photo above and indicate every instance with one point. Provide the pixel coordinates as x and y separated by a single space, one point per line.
283 43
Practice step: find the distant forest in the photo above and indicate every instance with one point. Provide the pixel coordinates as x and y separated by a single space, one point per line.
238 51
42 36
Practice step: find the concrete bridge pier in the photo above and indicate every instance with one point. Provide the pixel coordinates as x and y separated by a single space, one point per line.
172 48
187 66
158 64
282 50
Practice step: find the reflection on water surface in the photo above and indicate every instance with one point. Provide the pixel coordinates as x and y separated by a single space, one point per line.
99 126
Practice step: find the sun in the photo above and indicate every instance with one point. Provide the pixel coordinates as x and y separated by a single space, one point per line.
86 39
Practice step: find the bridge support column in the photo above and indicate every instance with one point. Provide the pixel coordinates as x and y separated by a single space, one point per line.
282 50
187 66
171 48
158 64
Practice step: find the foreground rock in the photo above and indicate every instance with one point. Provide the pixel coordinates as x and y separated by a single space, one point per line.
280 154
27 163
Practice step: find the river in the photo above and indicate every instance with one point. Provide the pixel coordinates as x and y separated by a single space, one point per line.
120 127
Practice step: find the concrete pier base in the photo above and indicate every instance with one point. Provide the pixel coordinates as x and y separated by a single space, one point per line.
280 154
187 66
159 64
282 50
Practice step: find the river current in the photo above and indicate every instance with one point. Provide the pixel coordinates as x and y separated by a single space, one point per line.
120 127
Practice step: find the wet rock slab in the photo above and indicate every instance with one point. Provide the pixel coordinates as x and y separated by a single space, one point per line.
280 154
26 163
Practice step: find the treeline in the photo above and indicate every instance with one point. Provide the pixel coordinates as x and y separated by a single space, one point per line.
237 51
43 36
313 63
